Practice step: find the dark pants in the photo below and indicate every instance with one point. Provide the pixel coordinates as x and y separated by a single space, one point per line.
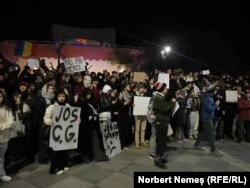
148 131
243 125
44 150
161 138
84 138
123 133
219 127
28 145
207 129
59 160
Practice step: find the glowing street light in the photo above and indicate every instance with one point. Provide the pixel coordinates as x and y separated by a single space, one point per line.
164 54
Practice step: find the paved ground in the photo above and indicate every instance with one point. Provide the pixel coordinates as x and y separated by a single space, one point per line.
118 172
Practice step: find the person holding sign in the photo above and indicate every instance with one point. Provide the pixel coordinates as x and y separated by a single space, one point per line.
161 108
140 121
59 160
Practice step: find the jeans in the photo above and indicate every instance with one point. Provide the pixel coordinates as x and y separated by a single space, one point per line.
207 129
3 148
219 127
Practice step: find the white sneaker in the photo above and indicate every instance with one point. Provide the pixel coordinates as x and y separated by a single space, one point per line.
66 169
5 178
60 172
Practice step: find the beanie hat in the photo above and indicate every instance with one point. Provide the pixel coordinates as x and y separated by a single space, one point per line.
106 88
160 86
211 88
24 84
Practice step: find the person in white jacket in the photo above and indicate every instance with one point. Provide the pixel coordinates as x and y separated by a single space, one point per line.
6 122
59 161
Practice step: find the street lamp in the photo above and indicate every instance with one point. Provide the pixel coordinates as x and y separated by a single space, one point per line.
164 54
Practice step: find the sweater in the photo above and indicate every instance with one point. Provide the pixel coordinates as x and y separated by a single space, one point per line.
6 122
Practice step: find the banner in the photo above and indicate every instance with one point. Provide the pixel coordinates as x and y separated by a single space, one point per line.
75 64
64 132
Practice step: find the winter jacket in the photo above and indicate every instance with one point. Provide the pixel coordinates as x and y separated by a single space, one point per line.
6 122
208 107
162 108
244 109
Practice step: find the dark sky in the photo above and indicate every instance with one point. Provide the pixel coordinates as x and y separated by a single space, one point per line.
148 20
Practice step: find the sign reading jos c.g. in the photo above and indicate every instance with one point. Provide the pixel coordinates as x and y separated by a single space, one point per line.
64 132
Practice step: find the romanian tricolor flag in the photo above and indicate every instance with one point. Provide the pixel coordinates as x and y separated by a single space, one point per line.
25 49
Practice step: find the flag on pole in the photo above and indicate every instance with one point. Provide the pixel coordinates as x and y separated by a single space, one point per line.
25 49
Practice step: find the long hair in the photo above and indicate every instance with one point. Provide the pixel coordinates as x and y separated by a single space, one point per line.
5 102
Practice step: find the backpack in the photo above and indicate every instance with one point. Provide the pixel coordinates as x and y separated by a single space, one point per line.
151 116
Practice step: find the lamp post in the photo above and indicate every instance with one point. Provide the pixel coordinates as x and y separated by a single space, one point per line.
164 54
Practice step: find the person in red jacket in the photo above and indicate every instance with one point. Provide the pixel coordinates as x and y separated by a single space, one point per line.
243 105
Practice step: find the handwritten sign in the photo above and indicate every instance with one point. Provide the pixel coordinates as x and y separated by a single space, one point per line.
231 96
141 105
111 140
164 77
64 132
75 64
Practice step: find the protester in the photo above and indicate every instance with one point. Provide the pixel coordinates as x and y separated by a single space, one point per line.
162 109
244 117
59 161
6 122
208 107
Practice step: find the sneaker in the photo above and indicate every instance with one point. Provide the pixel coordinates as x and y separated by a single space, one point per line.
59 172
198 148
216 153
66 169
144 144
124 148
5 178
137 146
161 165
151 156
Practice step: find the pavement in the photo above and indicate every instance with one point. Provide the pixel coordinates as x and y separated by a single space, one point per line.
119 171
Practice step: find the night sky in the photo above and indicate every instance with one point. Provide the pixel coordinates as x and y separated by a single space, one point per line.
136 22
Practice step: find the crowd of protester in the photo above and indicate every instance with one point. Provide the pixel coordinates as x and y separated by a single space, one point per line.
32 93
